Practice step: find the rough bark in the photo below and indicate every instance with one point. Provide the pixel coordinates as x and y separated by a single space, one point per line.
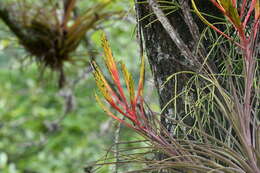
164 56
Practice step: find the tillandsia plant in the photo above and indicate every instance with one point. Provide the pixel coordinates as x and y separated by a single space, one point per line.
244 17
225 136
49 33
132 109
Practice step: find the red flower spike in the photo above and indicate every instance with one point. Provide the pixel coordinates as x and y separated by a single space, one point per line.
111 66
130 110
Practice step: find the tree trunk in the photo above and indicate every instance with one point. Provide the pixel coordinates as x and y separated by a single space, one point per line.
164 55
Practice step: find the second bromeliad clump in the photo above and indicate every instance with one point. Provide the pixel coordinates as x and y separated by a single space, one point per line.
48 33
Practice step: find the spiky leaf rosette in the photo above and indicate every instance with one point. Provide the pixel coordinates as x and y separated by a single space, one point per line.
115 95
48 34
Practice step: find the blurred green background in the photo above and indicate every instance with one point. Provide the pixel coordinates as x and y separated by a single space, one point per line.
36 135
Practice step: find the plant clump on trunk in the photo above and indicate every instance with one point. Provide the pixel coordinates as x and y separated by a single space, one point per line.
49 33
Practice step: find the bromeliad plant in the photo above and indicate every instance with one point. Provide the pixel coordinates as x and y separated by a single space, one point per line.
49 33
225 137
244 17
132 109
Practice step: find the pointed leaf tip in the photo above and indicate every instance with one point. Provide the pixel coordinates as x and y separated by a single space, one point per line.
141 79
